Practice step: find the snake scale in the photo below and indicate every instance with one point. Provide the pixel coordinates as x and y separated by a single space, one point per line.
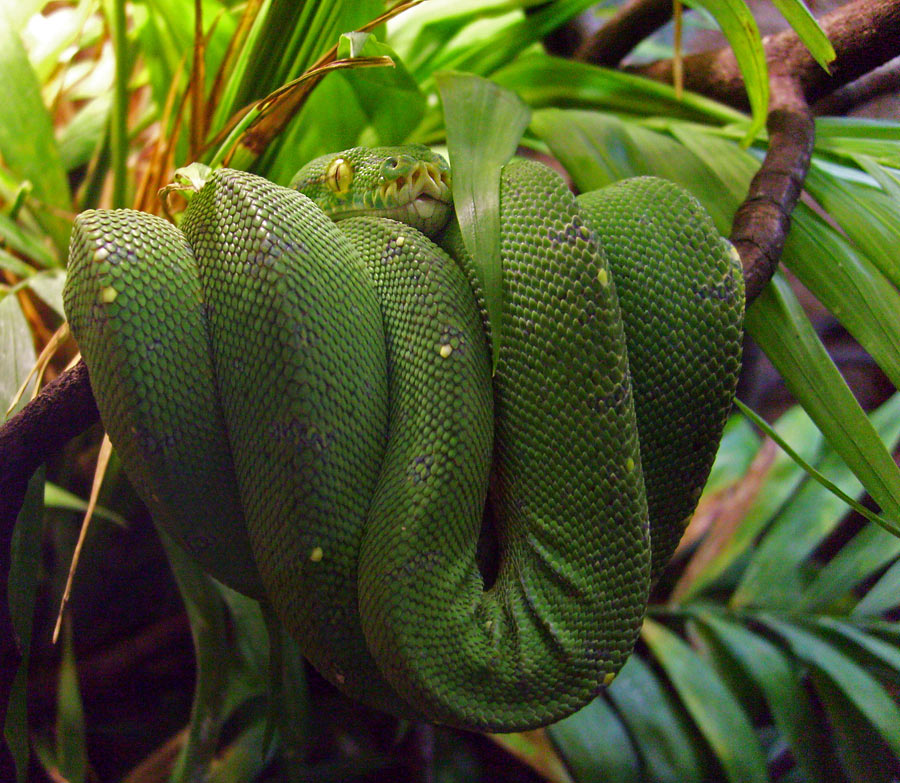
310 409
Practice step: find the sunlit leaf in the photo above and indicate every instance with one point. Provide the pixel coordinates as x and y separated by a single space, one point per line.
484 125
712 706
595 745
24 570
739 27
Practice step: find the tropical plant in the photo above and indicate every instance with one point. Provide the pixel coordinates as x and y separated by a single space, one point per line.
771 652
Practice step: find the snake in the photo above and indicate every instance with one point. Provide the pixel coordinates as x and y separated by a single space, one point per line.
301 384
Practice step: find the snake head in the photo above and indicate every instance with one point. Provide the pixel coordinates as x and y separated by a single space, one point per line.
409 183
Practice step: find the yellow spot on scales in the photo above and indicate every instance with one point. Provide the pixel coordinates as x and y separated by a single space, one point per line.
400 241
603 277
629 464
446 350
734 253
608 679
108 294
316 554
100 255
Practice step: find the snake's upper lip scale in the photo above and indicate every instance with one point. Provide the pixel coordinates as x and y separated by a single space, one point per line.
426 180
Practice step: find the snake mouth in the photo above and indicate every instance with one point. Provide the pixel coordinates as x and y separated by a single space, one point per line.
421 197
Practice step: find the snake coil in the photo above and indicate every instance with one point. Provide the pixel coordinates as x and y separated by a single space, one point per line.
309 408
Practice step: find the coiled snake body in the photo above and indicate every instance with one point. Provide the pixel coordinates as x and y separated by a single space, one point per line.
310 409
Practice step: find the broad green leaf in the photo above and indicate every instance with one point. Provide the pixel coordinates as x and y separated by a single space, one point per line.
598 148
883 595
220 685
24 571
80 138
887 654
856 686
57 497
771 672
663 735
48 285
390 97
713 707
18 12
595 745
780 327
870 218
864 756
28 243
849 285
739 27
17 355
808 30
27 142
483 53
773 576
860 558
780 483
850 137
484 125
71 746
737 448
549 81
804 464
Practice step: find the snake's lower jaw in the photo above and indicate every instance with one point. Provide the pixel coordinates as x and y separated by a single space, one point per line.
431 213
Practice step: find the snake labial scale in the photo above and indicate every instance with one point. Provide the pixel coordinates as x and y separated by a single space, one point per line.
309 408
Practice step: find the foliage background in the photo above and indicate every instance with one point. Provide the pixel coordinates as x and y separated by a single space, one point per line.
771 650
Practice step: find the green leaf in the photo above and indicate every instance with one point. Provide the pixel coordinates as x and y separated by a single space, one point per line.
870 218
484 125
810 471
855 685
773 576
864 756
595 745
27 142
712 706
739 27
887 654
780 327
48 285
663 734
17 354
24 569
549 81
737 448
597 149
883 595
861 557
71 744
808 30
770 671
849 285
781 481
222 683
389 97
57 497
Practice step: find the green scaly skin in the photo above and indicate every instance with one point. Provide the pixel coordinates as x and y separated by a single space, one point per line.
347 403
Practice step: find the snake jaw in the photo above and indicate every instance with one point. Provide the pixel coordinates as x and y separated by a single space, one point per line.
419 195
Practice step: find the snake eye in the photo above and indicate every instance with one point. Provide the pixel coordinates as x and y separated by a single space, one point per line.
339 175
392 163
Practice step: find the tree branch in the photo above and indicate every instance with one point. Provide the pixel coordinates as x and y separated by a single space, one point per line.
865 34
762 221
631 24
63 409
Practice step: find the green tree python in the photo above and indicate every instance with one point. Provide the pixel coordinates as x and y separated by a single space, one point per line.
309 408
